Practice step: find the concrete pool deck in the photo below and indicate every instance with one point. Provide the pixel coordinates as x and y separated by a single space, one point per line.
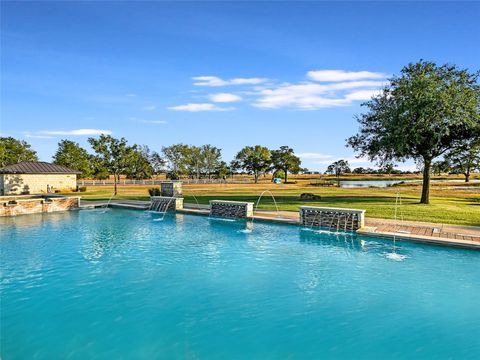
432 233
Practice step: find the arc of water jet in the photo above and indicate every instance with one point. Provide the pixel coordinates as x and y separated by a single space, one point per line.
108 202
258 202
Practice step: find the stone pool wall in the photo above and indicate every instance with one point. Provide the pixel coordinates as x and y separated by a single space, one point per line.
20 205
332 218
160 203
171 188
231 209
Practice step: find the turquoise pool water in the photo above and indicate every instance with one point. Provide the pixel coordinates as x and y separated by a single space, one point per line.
119 284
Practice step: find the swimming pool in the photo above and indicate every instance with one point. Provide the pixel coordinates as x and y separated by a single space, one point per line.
119 284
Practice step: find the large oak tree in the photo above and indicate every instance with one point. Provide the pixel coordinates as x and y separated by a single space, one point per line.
285 159
420 115
254 160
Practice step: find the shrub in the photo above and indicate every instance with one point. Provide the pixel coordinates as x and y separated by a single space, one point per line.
82 189
154 191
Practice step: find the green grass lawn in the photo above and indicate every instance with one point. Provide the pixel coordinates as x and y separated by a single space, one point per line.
447 205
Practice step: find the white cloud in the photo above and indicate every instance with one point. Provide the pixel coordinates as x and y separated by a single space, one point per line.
335 88
209 81
131 95
362 94
341 75
33 136
247 81
199 107
311 96
225 97
77 132
149 108
216 81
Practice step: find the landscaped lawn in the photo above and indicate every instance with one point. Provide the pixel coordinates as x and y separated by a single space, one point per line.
446 204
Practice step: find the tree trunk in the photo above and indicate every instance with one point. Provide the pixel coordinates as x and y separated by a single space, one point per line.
427 163
256 177
467 175
114 184
286 175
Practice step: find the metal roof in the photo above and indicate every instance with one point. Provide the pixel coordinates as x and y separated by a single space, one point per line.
36 167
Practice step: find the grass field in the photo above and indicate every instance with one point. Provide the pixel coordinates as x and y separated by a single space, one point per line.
447 204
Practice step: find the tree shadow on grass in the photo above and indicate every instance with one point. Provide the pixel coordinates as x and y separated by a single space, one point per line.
295 200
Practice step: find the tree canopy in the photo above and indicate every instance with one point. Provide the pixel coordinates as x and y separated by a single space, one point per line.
253 159
13 151
137 163
420 115
194 161
464 159
114 154
177 159
284 159
73 156
338 168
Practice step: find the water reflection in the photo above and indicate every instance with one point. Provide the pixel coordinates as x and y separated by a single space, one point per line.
332 238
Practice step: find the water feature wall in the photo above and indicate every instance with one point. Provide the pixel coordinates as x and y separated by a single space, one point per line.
166 203
333 218
171 188
28 204
231 209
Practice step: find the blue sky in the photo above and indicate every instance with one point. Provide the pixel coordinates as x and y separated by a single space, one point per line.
229 74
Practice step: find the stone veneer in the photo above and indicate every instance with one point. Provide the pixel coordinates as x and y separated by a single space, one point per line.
231 209
171 188
20 205
160 203
11 184
333 218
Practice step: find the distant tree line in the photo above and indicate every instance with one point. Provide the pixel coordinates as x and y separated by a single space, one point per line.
340 167
116 157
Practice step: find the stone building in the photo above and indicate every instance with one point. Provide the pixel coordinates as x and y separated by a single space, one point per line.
36 177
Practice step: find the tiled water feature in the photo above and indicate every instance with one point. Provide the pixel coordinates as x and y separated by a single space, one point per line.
231 209
332 218
170 200
171 188
166 203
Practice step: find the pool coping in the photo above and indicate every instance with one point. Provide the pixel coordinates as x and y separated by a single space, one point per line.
465 244
203 210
